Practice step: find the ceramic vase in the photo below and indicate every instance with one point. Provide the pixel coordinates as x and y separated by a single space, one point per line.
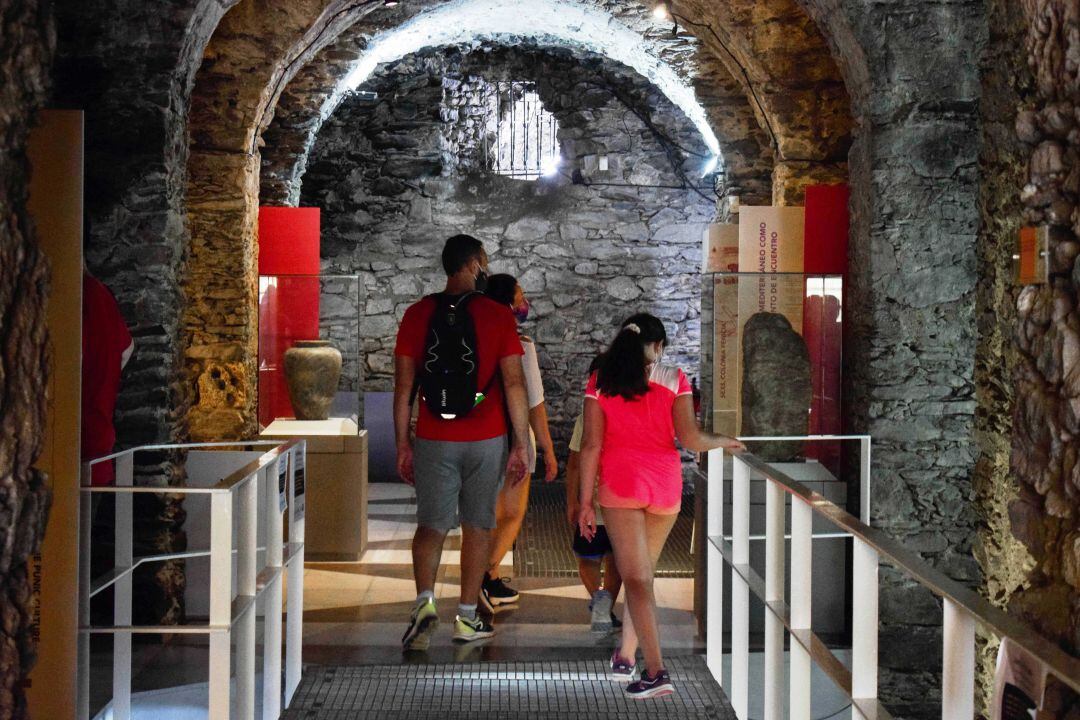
312 371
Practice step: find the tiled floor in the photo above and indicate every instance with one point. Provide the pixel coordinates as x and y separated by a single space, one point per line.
355 613
566 690
544 543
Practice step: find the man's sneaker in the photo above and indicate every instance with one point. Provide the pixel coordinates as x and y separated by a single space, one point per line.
601 612
495 592
622 670
650 687
423 621
470 630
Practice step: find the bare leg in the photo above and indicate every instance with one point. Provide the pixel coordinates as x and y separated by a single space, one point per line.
475 548
427 546
509 514
612 579
638 537
589 571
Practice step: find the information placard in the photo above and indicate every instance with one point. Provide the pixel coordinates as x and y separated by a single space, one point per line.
299 481
283 482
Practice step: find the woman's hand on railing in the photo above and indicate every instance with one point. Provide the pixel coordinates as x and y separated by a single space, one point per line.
587 521
729 443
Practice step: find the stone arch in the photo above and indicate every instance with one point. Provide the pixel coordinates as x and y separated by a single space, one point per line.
588 252
257 48
781 59
311 97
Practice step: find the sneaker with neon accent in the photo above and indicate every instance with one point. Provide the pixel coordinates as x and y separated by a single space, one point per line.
622 670
423 621
466 630
650 687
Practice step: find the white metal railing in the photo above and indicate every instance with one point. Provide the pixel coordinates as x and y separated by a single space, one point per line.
963 608
248 502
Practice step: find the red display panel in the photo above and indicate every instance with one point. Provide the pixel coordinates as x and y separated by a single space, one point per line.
289 241
826 234
288 298
826 238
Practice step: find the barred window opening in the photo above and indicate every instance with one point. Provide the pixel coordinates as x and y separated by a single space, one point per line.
523 137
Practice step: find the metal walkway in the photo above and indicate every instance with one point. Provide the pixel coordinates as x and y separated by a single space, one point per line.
568 690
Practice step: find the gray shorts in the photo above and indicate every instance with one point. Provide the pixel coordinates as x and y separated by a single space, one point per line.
458 479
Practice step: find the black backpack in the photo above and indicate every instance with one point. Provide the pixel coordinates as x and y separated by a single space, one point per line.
448 376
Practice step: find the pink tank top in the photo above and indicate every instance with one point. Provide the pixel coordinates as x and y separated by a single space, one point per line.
639 459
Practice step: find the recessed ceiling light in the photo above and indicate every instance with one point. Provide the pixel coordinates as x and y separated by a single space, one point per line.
661 12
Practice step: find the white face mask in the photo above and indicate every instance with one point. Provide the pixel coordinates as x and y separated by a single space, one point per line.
654 352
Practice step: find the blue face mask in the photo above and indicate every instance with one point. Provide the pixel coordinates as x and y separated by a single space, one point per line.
522 311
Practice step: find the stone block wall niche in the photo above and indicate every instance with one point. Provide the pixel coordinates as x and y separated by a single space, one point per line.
396 176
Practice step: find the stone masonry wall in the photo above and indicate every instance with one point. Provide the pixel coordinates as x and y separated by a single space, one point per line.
134 79
1003 560
27 44
397 176
911 333
1047 414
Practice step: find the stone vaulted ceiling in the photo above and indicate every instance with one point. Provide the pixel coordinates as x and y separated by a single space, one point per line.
297 53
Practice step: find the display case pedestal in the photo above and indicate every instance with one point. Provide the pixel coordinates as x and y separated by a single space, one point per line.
337 485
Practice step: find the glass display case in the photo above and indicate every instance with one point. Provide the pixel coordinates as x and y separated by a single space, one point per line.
304 320
791 356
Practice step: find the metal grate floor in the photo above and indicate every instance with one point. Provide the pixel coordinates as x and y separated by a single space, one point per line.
543 548
566 690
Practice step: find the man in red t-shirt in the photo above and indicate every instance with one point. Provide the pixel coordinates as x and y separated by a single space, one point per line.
457 466
106 347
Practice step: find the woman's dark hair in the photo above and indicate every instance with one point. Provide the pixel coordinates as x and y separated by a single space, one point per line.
622 367
501 288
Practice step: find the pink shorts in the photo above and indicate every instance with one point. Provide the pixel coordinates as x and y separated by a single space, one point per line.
606 498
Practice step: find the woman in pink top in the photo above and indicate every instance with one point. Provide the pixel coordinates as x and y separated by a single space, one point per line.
635 408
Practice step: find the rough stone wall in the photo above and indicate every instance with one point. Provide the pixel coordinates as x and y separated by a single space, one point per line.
397 176
306 101
1005 81
911 336
1047 414
27 44
134 80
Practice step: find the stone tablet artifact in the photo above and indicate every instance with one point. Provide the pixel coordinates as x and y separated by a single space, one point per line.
776 389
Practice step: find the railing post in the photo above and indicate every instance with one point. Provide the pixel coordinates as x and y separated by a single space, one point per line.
294 626
958 671
246 573
123 557
714 596
272 602
802 524
85 539
864 625
221 537
740 591
864 479
774 593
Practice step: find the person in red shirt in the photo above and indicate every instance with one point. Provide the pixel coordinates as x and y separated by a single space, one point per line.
457 465
106 348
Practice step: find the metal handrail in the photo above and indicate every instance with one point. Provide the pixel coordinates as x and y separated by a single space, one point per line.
1053 658
238 503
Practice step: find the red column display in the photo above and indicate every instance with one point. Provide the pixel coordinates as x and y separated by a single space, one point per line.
288 297
826 239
